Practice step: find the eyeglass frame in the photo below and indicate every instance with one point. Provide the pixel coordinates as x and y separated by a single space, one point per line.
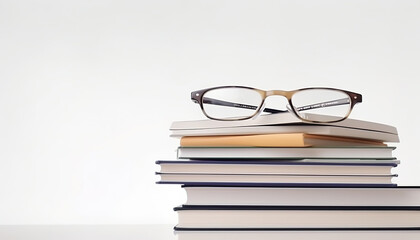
197 97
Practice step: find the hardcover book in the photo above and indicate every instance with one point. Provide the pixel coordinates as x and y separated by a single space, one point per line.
286 123
306 166
185 178
279 119
332 234
298 217
274 140
302 196
284 152
292 128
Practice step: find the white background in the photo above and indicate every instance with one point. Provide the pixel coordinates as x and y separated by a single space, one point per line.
88 89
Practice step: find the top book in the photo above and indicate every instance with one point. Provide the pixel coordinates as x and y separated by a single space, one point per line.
283 123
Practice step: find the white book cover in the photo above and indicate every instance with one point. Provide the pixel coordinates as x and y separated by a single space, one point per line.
279 118
285 123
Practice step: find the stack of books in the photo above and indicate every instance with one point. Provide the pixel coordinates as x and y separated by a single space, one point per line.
276 176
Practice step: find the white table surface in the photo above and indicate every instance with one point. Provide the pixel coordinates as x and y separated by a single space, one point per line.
166 232
91 232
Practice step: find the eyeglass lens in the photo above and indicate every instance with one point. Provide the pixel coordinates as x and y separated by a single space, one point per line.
321 104
231 103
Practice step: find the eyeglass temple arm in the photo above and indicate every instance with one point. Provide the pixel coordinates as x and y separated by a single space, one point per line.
271 110
332 103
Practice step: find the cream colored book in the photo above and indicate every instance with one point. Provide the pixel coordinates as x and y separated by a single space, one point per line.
274 140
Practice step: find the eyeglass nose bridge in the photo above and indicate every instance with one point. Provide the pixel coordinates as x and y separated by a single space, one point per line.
282 93
286 94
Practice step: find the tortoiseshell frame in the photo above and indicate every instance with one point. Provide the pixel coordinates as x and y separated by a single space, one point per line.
197 97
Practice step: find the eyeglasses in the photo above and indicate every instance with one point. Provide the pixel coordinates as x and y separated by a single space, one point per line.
319 105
